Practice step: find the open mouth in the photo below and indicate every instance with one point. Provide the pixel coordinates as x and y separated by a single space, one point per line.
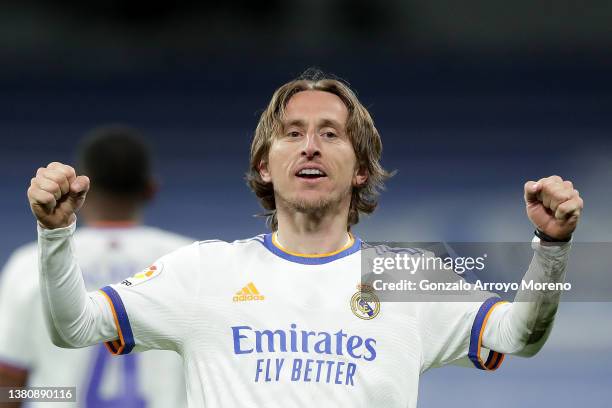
311 174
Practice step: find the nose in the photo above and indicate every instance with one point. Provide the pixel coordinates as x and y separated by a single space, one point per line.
311 147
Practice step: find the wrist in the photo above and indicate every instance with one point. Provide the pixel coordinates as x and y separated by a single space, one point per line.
58 232
547 238
66 223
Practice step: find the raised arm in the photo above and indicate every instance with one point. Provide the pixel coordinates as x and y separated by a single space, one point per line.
522 327
74 317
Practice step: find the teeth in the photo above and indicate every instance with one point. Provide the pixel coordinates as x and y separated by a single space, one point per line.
311 172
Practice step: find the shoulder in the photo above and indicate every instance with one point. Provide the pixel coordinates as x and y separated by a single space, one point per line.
248 244
193 255
181 256
386 249
181 269
179 266
214 254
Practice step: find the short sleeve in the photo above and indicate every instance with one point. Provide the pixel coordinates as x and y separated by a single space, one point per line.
153 308
452 333
18 291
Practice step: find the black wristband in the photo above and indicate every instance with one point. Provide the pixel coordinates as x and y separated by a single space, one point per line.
547 238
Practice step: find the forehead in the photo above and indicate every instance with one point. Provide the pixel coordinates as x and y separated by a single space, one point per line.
317 105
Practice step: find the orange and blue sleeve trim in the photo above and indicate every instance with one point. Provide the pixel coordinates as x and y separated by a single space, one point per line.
125 343
495 359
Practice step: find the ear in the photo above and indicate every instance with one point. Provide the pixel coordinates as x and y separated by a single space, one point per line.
264 173
360 177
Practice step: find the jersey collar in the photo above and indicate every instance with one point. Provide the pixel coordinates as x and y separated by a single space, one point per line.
273 246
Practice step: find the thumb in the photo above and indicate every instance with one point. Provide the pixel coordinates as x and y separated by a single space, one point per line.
78 190
532 189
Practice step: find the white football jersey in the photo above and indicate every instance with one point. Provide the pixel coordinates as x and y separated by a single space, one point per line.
105 254
260 326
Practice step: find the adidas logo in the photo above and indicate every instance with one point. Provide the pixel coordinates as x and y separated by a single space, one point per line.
248 293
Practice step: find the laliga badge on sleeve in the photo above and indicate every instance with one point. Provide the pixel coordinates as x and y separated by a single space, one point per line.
144 276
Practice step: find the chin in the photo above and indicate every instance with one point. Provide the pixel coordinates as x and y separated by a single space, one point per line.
312 202
309 201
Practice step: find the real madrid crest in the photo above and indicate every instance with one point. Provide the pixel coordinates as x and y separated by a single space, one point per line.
364 303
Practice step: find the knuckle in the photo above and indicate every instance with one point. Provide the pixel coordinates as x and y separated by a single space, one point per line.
50 186
66 170
550 182
41 183
56 175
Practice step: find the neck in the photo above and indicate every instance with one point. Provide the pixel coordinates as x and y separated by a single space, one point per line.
100 210
308 233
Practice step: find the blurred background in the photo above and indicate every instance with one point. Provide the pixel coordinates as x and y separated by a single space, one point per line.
471 98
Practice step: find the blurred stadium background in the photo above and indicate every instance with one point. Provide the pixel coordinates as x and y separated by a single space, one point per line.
471 98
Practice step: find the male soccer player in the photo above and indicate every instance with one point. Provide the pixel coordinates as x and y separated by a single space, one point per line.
113 244
275 320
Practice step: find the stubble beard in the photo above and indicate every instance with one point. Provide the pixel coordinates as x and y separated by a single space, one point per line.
314 208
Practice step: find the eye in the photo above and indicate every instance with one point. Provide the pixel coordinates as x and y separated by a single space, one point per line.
294 134
330 135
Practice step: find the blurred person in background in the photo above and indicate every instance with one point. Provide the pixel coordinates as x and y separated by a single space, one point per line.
113 243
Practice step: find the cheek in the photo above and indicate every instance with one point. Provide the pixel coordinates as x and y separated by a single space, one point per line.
278 160
348 163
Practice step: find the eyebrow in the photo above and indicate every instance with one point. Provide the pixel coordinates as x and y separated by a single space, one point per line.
295 122
330 123
323 123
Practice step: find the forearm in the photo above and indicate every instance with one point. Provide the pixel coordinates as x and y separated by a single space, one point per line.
74 317
523 326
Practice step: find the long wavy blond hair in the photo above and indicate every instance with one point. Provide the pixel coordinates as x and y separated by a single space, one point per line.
360 129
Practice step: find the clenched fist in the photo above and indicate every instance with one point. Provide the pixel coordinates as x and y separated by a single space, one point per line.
56 194
553 206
